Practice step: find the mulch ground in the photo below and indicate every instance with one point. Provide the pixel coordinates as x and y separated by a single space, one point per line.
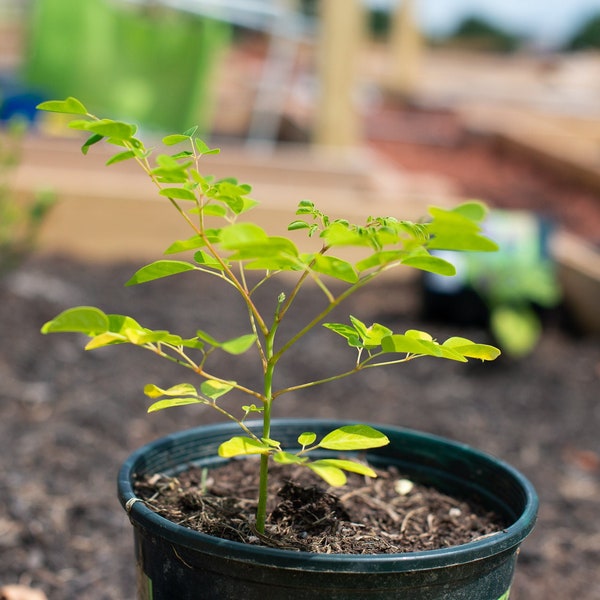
68 418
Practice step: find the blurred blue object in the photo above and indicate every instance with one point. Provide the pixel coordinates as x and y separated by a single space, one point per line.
18 101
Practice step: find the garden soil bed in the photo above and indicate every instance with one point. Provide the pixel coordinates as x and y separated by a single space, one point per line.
68 419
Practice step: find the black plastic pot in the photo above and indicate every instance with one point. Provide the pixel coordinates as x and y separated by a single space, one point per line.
176 563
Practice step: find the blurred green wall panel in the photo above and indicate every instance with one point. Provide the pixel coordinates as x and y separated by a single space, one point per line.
152 65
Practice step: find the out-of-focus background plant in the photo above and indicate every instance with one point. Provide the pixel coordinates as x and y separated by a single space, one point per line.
20 219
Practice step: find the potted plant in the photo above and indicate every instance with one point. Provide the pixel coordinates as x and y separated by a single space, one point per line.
175 561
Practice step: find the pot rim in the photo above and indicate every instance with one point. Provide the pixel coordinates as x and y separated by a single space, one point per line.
487 546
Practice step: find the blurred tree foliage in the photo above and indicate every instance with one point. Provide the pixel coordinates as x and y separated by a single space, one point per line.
379 22
587 36
480 34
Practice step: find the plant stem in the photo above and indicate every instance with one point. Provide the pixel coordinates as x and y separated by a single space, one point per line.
263 483
261 509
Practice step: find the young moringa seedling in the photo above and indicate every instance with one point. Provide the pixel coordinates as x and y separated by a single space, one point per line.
223 244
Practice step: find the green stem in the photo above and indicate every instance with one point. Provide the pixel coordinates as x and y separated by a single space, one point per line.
359 367
261 509
263 484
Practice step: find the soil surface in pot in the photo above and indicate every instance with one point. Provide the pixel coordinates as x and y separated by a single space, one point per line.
366 516
69 418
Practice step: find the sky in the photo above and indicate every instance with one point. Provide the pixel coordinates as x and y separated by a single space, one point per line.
548 22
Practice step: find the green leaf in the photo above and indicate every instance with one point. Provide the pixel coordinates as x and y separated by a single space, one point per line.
178 193
181 389
307 438
404 344
238 345
410 345
116 130
297 225
121 329
192 343
170 170
242 234
231 193
453 230
242 446
93 139
422 344
346 331
143 336
249 242
164 161
207 260
120 157
272 443
172 402
339 233
420 347
433 264
305 207
359 327
81 319
332 475
473 210
183 245
347 465
214 389
182 154
169 176
208 338
107 338
285 458
191 131
204 149
419 335
160 269
359 335
353 437
70 106
370 336
379 259
469 349
214 210
171 140
463 242
334 267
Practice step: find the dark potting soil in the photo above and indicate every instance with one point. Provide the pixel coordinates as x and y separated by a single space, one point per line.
366 516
